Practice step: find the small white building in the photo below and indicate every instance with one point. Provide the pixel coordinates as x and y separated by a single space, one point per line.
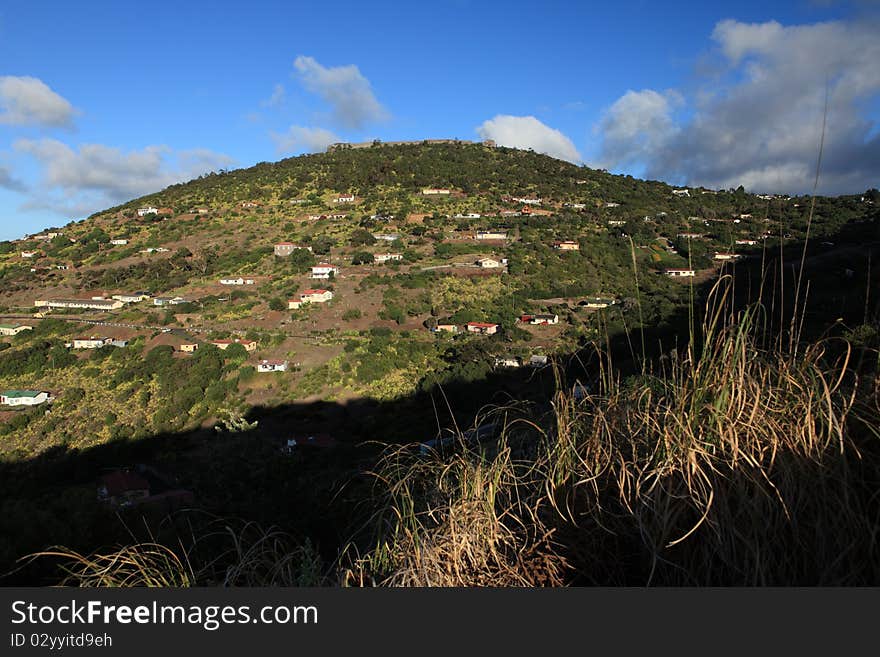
386 237
310 296
567 245
617 222
681 192
23 397
272 366
385 257
14 329
29 254
508 361
725 256
119 242
680 273
142 212
168 301
284 249
135 297
747 242
237 281
488 263
433 191
349 198
491 235
323 270
482 328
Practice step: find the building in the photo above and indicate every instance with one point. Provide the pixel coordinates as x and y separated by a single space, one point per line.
508 361
725 256
29 254
249 345
237 281
386 237
119 242
97 343
539 320
691 236
491 235
188 347
537 360
526 201
134 297
567 245
284 249
80 304
23 397
323 270
432 191
168 301
747 242
617 222
445 327
310 296
597 302
143 212
349 198
609 204
681 192
680 273
488 263
481 328
385 257
272 366
14 329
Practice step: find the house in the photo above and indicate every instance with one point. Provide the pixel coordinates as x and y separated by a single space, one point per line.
143 212
157 249
567 245
508 361
680 273
725 256
609 204
445 328
284 249
747 242
188 347
123 488
318 440
249 345
135 297
539 320
80 304
14 329
250 205
537 360
310 296
491 235
386 237
691 236
681 192
97 343
526 201
617 222
488 263
119 242
344 199
272 366
433 191
481 328
324 270
745 216
23 397
237 281
385 257
29 254
469 215
168 301
597 302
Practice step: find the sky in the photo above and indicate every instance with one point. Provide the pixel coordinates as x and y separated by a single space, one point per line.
104 101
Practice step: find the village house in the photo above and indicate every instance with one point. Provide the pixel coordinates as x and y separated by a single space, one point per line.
537 360
597 302
526 201
237 281
249 345
14 329
508 361
445 328
541 320
691 236
284 249
134 297
188 347
617 222
386 237
143 212
385 257
97 343
323 270
488 263
269 365
80 304
157 249
725 256
310 296
433 191
609 204
680 273
491 235
469 215
29 254
168 301
23 397
250 205
567 245
482 328
345 198
747 242
119 242
681 192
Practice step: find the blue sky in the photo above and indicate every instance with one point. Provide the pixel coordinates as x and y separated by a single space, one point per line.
102 104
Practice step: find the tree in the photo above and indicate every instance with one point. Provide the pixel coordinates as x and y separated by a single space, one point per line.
361 237
275 303
322 244
362 258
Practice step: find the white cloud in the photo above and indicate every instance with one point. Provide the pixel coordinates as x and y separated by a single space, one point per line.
96 176
527 132
757 121
8 181
299 138
345 89
29 101
276 98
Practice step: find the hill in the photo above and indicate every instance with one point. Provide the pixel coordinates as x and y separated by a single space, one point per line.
502 273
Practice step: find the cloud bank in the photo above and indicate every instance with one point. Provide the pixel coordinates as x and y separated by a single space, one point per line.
758 121
345 89
301 139
527 132
29 101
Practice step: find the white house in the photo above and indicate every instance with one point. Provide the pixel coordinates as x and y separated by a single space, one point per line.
617 222
135 297
725 256
488 263
310 296
119 242
508 361
284 249
681 273
168 301
681 192
567 245
323 270
481 327
527 201
433 191
80 304
491 235
23 397
385 257
344 199
29 254
747 242
272 366
386 237
237 281
97 343
142 212
14 329
539 320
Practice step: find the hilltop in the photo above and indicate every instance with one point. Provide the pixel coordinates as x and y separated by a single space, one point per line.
383 293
